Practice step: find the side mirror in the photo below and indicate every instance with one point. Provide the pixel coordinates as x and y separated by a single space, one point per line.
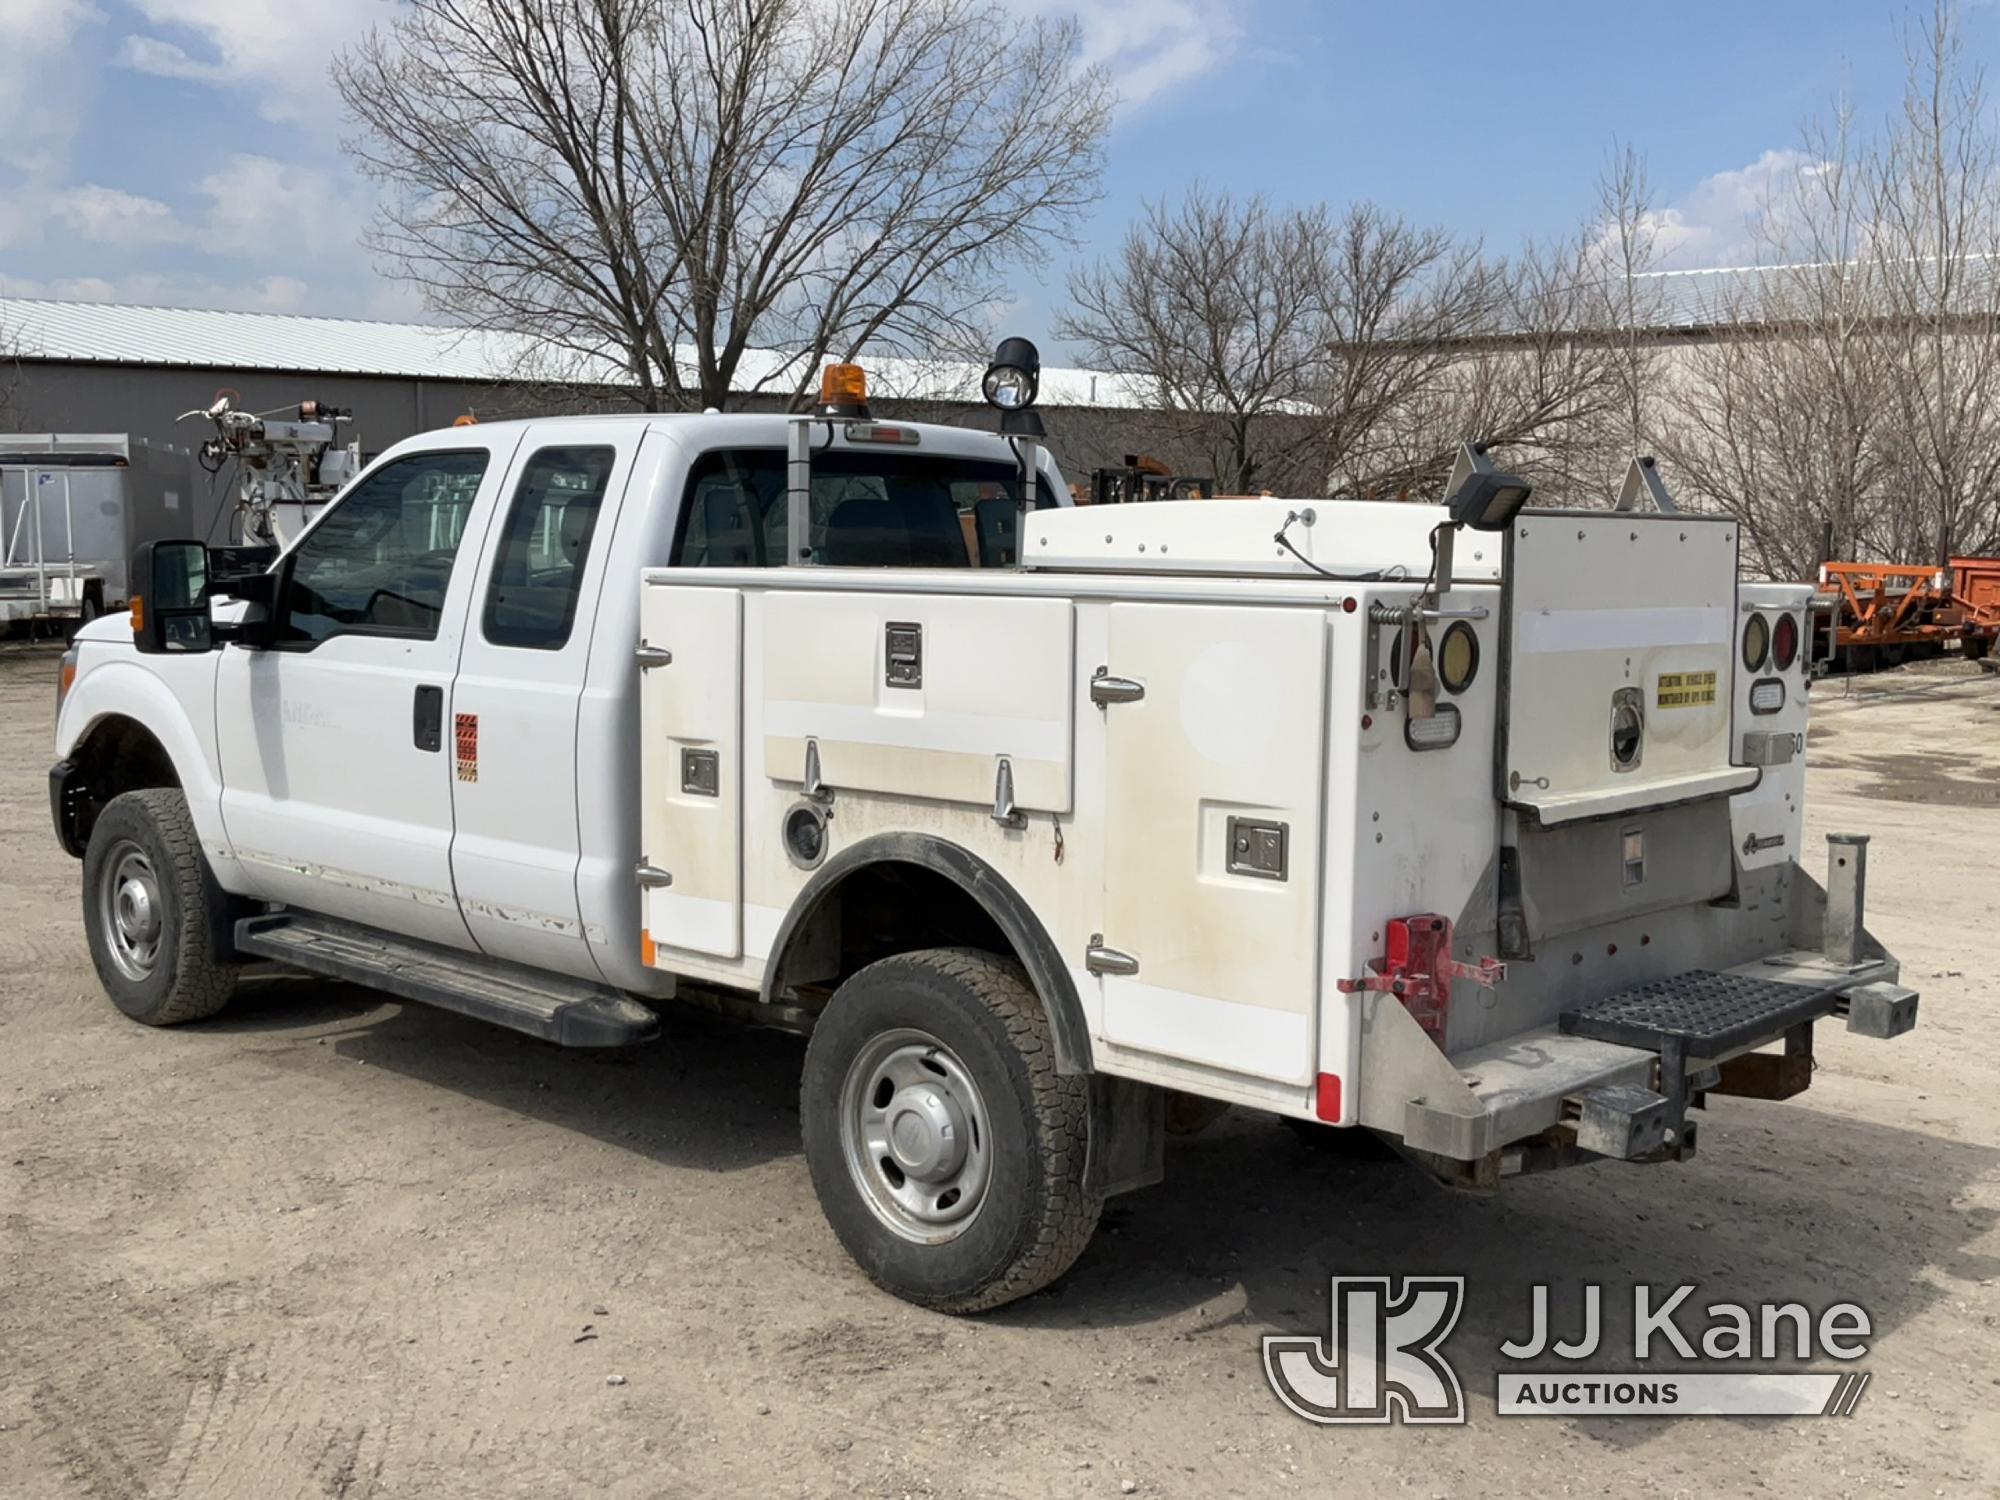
170 598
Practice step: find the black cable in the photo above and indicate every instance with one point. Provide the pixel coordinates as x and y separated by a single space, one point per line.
1377 576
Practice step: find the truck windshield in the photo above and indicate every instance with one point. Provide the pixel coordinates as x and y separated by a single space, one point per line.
869 510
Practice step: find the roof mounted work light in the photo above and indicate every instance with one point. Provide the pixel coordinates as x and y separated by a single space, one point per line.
1480 496
1013 380
1014 376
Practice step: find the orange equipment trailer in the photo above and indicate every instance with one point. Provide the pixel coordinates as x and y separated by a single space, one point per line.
1882 614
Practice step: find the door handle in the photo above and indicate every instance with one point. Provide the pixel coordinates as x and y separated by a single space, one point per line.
1099 959
427 718
1105 689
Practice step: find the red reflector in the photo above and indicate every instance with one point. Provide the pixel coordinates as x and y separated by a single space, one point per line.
1326 1097
1785 642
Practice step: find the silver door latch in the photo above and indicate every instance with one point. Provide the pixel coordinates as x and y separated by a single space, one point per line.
1102 960
1106 689
653 656
651 877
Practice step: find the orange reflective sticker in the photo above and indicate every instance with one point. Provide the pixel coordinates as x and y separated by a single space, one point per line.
465 737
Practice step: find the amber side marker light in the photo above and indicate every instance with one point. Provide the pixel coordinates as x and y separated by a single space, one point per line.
138 615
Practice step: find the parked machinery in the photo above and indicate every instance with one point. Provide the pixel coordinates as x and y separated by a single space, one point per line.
285 467
1883 614
1143 477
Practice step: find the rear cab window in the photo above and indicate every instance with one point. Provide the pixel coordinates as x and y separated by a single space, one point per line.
539 566
869 510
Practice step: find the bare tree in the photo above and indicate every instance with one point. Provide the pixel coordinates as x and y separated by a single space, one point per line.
664 191
1350 351
1782 416
1849 398
1216 309
11 413
1519 363
1627 247
1935 201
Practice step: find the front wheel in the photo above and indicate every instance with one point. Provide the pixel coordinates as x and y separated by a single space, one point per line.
947 1152
156 919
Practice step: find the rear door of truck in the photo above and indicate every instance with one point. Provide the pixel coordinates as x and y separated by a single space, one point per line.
514 705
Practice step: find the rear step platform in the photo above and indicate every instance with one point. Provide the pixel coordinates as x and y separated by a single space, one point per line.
568 1012
1705 1013
1710 1013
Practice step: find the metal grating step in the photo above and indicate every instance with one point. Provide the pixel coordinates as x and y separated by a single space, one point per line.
1710 1013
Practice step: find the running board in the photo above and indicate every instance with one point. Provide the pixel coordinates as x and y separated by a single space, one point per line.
568 1012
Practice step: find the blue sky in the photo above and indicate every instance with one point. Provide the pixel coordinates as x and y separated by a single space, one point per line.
188 151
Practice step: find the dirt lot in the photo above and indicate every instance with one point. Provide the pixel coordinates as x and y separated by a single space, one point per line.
329 1245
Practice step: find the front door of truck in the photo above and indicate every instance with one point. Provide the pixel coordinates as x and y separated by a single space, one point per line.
515 704
335 742
1213 799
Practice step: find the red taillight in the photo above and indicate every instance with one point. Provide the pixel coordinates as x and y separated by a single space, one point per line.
1326 1097
1785 642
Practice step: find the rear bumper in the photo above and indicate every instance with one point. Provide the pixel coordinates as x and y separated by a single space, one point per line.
62 806
1618 1077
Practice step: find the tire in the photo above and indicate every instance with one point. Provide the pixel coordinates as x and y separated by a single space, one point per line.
941 1061
158 923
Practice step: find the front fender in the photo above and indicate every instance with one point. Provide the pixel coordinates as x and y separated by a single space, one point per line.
173 699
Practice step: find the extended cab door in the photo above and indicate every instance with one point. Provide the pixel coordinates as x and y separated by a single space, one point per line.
336 742
520 681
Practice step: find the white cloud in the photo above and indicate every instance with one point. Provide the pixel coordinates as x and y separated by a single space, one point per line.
161 58
111 216
36 120
258 206
1716 223
1151 46
276 50
156 289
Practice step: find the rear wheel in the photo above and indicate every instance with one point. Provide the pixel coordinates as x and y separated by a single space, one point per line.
156 920
946 1150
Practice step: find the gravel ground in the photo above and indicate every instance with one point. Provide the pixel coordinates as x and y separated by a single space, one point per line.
330 1245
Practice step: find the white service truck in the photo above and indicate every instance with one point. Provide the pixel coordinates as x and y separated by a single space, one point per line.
1473 825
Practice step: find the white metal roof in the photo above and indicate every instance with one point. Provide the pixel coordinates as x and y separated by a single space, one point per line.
120 334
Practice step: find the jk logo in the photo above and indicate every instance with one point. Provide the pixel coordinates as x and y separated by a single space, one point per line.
1381 1362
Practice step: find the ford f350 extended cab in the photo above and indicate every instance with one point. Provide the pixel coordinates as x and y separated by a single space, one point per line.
1473 825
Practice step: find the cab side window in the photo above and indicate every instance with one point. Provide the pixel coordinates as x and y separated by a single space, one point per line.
379 562
538 570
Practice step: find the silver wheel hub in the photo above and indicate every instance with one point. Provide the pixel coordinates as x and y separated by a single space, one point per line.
129 910
913 1130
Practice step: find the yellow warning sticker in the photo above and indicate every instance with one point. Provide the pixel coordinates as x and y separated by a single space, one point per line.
1685 690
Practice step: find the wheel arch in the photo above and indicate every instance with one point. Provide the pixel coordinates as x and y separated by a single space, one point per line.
122 729
935 866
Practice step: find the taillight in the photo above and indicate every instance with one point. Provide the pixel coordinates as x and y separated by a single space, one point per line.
1785 643
1756 642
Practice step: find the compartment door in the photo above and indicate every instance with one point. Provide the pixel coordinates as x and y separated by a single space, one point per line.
1213 809
1618 660
691 768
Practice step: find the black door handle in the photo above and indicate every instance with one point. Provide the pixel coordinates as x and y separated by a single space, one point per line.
427 718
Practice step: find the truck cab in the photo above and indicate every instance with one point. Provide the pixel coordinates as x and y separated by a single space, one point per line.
1031 817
